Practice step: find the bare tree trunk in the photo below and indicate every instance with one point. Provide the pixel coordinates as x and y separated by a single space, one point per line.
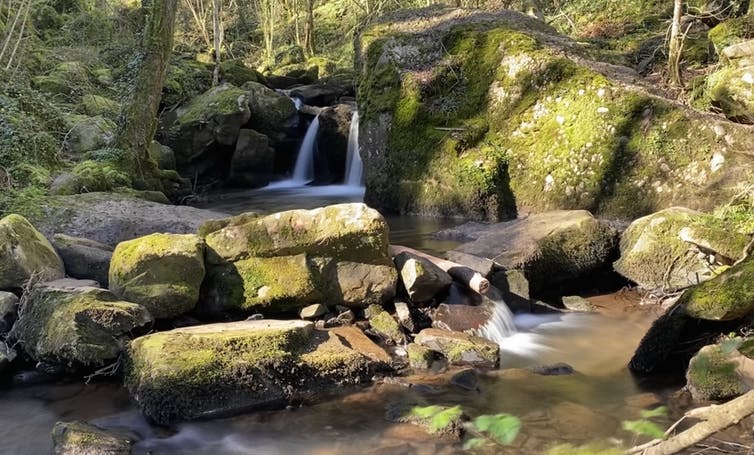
217 36
675 45
309 29
138 117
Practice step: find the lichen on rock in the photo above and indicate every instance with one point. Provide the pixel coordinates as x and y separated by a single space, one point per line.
25 253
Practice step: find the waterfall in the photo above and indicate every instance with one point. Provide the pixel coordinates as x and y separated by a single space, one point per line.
303 172
354 165
501 325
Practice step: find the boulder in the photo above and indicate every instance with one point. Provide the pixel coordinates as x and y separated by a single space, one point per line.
84 258
676 248
419 357
271 112
63 323
726 297
216 369
325 93
95 105
163 155
472 146
552 248
111 218
313 311
282 262
289 55
462 318
385 325
8 311
67 79
731 89
253 160
89 133
720 372
460 348
578 303
79 438
162 272
237 73
25 253
422 279
332 143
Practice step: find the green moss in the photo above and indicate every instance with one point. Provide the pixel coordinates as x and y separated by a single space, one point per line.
25 253
78 437
712 376
94 105
237 73
419 356
384 324
725 297
223 100
732 31
186 78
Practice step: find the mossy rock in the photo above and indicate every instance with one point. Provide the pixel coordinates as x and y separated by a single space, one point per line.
79 438
162 272
95 105
25 253
662 250
419 357
422 279
271 111
217 369
289 55
460 348
485 89
732 31
237 73
89 133
163 155
727 296
732 90
210 226
712 373
185 79
62 323
67 79
385 325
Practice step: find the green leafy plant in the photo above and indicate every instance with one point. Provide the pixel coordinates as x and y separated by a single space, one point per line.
498 429
439 417
645 426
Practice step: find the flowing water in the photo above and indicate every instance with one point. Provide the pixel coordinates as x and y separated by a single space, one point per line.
354 165
303 171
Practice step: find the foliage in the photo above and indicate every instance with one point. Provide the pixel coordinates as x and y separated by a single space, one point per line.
645 426
500 429
439 417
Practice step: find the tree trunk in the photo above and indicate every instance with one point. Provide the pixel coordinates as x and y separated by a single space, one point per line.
309 29
138 117
674 46
217 35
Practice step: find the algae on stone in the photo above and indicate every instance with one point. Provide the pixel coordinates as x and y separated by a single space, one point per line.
78 438
712 375
25 253
725 297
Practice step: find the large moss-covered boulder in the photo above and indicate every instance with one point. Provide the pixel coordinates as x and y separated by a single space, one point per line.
731 89
726 297
676 248
237 73
215 369
186 78
552 248
271 112
89 133
455 104
162 272
95 105
79 438
721 371
61 322
67 80
25 252
282 262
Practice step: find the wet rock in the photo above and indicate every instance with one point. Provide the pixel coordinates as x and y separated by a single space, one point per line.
84 258
551 248
385 325
78 438
422 279
253 159
322 94
514 289
25 252
422 416
462 318
64 324
332 143
466 379
403 313
557 369
7 355
312 311
460 348
580 422
111 218
419 357
8 310
335 255
577 303
676 248
162 272
271 112
217 369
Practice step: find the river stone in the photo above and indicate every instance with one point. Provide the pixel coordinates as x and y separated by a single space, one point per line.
253 159
84 258
385 325
8 310
718 371
422 279
312 311
217 369
403 314
578 303
162 272
111 218
725 297
662 250
551 248
25 253
460 348
419 357
64 324
462 318
79 438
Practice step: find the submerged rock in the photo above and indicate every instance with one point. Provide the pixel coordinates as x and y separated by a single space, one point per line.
25 252
79 438
83 258
281 262
551 248
460 348
62 323
216 369
676 248
162 272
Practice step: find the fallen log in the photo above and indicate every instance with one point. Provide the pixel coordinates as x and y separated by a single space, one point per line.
714 418
464 275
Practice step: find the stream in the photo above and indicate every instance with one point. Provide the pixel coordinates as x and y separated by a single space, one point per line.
572 408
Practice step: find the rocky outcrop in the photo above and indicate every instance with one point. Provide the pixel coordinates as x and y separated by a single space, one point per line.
162 272
84 259
676 248
25 253
551 248
282 262
79 438
61 322
111 218
217 369
332 143
454 104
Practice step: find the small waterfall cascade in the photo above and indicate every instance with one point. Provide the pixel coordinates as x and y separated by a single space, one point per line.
500 326
303 172
354 165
